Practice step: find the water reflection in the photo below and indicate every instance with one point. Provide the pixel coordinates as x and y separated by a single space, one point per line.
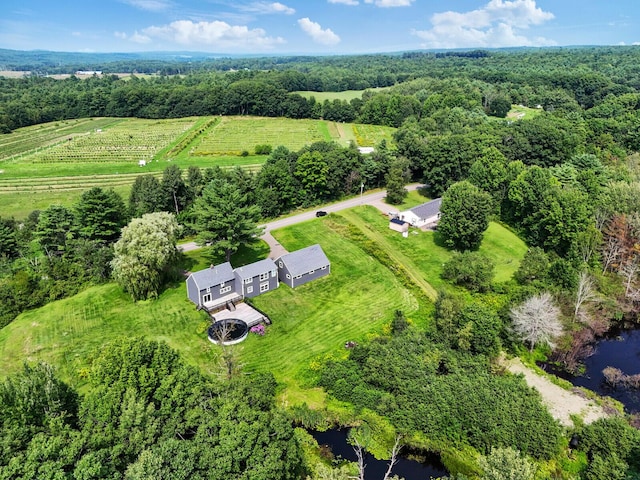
408 469
621 350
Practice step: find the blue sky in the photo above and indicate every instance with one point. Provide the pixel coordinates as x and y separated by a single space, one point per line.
312 26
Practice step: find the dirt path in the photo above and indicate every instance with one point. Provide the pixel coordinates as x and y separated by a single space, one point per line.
560 402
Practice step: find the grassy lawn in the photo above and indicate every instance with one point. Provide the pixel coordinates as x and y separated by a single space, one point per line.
346 95
424 252
520 112
316 319
413 199
310 322
320 97
232 135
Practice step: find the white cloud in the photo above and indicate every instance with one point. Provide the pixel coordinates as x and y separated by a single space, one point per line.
216 34
268 7
136 37
390 3
150 5
496 24
315 31
345 2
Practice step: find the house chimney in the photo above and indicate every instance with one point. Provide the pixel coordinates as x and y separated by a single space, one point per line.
212 266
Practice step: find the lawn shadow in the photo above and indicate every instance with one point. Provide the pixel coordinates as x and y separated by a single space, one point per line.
438 239
423 190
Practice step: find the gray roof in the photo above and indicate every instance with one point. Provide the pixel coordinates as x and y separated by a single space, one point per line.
256 268
304 260
429 209
214 275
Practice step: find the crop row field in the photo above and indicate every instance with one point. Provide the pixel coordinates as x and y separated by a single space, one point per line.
129 141
233 135
62 159
29 140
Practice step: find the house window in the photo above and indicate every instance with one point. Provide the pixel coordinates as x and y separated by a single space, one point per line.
208 289
264 287
250 289
311 272
324 268
248 280
288 276
264 276
273 273
280 264
298 276
206 298
226 289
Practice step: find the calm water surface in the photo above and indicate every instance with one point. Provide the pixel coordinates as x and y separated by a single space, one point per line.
336 440
621 350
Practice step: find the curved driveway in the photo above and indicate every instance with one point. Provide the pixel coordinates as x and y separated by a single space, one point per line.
375 199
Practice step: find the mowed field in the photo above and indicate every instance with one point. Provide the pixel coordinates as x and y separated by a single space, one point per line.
310 323
57 161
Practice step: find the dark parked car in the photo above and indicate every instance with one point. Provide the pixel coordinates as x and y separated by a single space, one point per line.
320 213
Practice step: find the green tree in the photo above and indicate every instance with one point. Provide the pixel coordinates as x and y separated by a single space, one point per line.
29 402
399 323
485 328
146 196
472 270
144 254
56 226
499 107
195 181
396 180
100 215
224 218
8 243
464 216
506 464
311 170
174 190
489 173
534 267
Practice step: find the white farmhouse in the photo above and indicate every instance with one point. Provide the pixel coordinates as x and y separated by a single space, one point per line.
422 215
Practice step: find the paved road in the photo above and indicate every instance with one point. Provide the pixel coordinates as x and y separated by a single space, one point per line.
373 199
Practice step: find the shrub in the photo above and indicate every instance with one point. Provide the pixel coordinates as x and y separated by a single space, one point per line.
472 270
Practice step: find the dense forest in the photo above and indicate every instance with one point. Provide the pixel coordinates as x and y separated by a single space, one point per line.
565 178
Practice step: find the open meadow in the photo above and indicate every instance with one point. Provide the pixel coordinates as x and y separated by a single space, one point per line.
55 162
310 323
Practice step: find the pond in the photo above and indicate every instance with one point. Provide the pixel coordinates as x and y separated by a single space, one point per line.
406 468
619 349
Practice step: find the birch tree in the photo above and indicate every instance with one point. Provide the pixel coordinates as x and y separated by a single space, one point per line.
584 293
537 320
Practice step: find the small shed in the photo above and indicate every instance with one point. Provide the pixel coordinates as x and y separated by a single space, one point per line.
398 225
302 266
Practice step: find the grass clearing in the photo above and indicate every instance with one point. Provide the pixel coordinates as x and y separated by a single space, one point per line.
520 112
233 135
310 323
316 319
346 95
424 252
